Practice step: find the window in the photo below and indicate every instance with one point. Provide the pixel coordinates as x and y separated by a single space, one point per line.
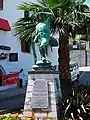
1 4
13 57
26 15
25 47
74 42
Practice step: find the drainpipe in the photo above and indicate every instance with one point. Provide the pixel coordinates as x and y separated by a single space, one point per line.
85 44
85 56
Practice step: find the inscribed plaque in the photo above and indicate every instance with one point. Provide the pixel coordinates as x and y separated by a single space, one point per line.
40 94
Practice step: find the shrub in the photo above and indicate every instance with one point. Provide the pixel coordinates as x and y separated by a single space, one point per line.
76 106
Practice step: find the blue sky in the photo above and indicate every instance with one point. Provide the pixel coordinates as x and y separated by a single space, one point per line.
87 2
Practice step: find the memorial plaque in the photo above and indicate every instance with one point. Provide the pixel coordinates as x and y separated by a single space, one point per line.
40 94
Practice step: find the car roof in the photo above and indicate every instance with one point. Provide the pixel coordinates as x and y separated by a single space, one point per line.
73 62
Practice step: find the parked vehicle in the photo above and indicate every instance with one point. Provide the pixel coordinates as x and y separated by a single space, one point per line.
74 70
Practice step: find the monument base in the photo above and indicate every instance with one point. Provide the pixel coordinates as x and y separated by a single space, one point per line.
41 95
43 65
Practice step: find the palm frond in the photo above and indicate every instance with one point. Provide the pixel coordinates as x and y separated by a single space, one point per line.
24 29
85 14
30 6
63 12
50 3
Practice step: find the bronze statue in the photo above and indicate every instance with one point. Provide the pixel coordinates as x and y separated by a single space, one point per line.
43 35
43 32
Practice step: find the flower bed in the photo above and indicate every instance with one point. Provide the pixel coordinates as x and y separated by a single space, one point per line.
18 116
10 116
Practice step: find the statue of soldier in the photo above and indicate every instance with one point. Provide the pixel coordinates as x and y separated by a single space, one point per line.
43 32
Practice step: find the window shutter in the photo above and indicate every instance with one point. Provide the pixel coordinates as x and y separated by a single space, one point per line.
23 46
27 47
1 4
26 14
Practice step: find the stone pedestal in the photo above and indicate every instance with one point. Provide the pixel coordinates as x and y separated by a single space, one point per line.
43 84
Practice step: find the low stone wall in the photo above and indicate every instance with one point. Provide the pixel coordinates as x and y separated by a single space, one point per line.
80 57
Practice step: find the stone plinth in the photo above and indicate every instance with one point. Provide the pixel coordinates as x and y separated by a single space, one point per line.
41 94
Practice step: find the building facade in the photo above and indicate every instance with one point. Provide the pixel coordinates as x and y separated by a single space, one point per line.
12 57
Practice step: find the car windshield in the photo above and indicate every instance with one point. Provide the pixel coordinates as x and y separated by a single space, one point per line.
73 65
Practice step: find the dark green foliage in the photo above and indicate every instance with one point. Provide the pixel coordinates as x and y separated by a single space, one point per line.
77 106
65 12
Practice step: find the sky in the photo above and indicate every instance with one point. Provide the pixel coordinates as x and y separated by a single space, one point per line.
87 2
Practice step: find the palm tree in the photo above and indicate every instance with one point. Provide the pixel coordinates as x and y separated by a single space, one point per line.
65 19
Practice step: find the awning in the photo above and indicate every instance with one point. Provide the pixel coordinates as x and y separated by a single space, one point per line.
4 25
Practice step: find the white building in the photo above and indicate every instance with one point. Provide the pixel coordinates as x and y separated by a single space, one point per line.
25 60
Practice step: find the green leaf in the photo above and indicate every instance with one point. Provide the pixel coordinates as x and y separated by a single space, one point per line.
82 106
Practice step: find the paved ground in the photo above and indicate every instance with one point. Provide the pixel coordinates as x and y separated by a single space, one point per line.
12 98
84 77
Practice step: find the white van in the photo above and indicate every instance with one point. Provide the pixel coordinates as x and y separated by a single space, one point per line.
74 70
